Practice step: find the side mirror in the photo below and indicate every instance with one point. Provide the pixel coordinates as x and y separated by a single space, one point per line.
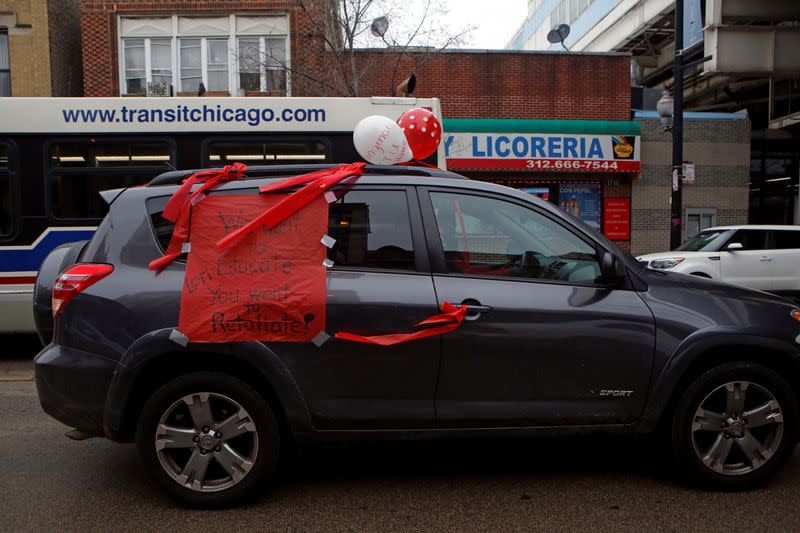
734 246
612 269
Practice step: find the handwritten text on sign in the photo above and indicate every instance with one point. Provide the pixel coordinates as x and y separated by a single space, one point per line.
269 287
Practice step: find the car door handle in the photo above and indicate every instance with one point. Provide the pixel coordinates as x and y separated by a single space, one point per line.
766 258
474 309
478 308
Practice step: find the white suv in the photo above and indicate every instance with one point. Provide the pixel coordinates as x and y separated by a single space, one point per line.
760 257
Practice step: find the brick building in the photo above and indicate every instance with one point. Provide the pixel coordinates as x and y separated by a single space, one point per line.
719 146
39 52
554 124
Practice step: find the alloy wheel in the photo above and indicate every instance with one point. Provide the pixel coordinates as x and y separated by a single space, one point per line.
737 428
206 442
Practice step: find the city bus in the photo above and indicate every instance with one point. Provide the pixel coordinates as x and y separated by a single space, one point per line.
57 154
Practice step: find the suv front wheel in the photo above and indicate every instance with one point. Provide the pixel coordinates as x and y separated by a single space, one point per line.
209 438
734 426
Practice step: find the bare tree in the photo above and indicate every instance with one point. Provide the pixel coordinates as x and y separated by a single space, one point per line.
417 31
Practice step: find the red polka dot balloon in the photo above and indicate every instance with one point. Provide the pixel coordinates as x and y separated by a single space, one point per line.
423 131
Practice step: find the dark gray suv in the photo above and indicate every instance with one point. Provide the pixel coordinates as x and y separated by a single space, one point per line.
565 333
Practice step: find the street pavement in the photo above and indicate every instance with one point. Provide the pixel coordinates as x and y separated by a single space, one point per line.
48 482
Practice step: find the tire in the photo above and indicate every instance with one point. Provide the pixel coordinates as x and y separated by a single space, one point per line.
222 465
729 445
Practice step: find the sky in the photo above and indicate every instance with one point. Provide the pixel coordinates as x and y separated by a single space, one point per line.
495 20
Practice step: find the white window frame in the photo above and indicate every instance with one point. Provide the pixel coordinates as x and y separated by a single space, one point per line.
262 53
203 65
233 53
148 62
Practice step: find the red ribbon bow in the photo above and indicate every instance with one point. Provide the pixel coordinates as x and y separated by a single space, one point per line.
317 183
451 318
177 208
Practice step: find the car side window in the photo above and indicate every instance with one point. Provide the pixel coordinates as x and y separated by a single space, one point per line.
787 240
751 239
372 230
491 237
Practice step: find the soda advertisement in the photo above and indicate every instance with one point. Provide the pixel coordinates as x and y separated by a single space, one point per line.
581 200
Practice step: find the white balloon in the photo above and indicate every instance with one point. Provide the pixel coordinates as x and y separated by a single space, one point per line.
381 141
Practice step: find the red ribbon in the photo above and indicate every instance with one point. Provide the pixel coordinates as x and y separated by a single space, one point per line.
316 183
210 178
451 318
177 210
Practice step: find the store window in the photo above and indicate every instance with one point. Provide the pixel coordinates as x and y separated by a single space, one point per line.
372 230
5 64
228 54
699 219
265 152
79 170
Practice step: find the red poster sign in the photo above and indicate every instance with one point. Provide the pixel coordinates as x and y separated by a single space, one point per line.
617 218
269 286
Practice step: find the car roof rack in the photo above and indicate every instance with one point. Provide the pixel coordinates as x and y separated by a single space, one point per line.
175 177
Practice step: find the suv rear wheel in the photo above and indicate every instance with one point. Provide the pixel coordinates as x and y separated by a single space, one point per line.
209 438
734 426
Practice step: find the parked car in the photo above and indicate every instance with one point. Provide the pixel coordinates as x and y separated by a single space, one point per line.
759 257
565 334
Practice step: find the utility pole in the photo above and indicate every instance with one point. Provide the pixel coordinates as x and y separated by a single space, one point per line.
677 133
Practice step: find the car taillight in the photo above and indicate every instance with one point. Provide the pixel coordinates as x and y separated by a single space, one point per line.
75 279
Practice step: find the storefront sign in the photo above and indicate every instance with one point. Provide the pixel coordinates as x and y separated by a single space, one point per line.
542 152
581 200
617 218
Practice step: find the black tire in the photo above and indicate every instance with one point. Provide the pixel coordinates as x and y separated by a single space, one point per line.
266 428
687 457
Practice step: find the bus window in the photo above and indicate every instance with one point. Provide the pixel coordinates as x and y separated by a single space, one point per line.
6 216
78 170
93 155
254 152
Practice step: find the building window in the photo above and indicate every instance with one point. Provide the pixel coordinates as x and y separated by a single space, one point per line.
262 64
161 61
568 11
217 64
191 64
699 219
147 61
228 54
5 65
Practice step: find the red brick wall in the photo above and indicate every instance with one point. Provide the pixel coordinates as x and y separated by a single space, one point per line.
517 84
469 84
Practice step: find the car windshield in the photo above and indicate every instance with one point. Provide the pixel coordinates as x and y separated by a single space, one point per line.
705 241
